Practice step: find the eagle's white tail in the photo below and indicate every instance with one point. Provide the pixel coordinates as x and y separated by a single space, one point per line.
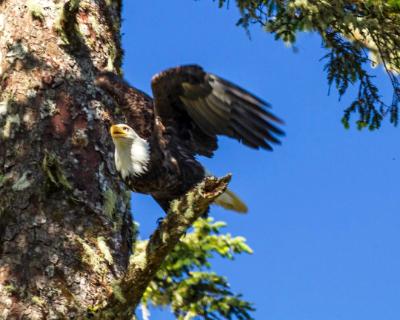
230 201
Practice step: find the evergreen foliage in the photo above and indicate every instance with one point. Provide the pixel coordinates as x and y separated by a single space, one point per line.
185 282
356 34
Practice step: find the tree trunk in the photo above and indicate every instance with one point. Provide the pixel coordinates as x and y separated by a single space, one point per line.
65 224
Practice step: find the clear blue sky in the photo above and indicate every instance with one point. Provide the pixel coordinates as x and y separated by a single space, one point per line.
324 218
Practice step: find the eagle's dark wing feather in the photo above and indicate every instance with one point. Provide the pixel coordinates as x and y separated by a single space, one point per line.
215 107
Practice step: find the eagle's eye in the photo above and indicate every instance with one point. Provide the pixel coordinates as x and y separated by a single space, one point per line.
126 129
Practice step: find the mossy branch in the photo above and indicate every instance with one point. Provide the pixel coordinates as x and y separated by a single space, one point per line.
147 260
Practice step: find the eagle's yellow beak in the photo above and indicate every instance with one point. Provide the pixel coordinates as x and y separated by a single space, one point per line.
118 131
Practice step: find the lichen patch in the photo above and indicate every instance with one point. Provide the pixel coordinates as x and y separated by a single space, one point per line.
105 250
11 120
80 138
3 107
2 22
48 109
23 182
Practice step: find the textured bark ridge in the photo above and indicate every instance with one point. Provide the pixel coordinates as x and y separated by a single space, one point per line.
65 226
66 232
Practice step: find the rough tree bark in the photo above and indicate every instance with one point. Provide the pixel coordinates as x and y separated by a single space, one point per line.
64 218
66 231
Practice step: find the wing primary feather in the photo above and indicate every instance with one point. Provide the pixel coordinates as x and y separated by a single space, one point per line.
199 118
249 135
256 108
240 91
208 106
261 115
210 114
258 120
255 124
251 110
249 130
218 106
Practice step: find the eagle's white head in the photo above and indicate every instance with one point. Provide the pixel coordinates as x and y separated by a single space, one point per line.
132 153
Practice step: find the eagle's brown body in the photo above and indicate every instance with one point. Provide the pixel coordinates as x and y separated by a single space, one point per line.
190 108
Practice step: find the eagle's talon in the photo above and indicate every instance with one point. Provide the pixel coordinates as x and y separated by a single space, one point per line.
159 221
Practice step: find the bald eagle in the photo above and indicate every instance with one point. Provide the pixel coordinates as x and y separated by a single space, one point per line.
155 151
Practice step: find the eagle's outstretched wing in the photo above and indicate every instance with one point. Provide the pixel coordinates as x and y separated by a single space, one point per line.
214 106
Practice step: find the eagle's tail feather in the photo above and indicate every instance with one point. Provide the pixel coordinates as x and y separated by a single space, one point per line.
230 201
